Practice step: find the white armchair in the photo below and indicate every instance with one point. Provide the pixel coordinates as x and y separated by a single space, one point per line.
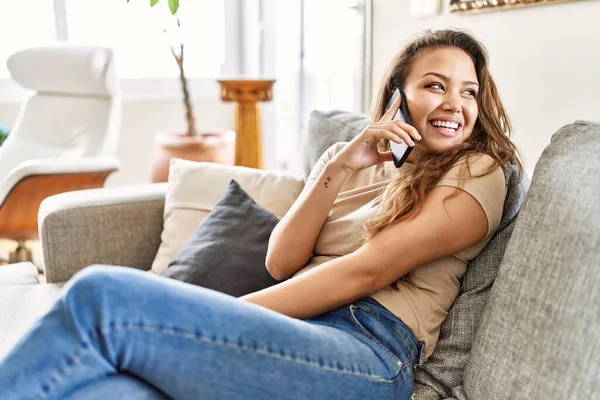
65 136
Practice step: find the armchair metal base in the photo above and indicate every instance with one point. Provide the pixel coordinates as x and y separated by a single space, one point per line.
21 254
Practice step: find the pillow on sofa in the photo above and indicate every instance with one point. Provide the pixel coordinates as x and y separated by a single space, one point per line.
327 128
442 375
228 251
195 187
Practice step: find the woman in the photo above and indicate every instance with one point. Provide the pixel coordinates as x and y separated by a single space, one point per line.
375 254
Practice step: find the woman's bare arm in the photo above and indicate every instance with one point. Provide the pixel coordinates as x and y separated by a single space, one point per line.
442 227
293 239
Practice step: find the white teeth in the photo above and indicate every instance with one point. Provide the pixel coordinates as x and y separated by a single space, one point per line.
445 124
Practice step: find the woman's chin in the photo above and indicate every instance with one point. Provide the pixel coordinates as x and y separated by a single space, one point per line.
428 146
444 145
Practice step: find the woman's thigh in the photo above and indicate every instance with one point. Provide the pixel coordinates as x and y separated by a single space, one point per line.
194 343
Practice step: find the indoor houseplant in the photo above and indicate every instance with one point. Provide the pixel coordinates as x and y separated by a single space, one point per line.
215 145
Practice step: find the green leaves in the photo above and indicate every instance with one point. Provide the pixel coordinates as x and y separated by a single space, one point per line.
173 6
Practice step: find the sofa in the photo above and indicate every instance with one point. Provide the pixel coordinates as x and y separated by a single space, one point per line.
537 335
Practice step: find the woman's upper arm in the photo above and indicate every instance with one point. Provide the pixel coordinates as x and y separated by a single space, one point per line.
449 221
489 189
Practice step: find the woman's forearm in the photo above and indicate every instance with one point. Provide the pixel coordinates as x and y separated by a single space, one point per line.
314 292
293 239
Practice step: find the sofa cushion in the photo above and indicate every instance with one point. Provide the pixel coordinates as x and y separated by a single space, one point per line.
20 307
540 334
23 273
325 129
195 187
227 252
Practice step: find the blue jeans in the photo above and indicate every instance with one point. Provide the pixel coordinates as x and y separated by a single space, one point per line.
119 333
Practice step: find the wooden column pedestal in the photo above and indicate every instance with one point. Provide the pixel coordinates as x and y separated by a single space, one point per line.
247 93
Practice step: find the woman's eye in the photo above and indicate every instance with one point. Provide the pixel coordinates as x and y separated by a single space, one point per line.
437 86
471 92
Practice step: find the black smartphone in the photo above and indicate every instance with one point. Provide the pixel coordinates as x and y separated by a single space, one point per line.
400 151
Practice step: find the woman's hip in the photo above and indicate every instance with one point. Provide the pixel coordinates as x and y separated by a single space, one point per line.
371 323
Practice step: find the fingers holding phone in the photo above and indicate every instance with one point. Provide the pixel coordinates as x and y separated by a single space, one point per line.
362 151
401 117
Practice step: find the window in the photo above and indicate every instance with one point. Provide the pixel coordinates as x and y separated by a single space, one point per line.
318 64
210 30
316 50
142 49
24 23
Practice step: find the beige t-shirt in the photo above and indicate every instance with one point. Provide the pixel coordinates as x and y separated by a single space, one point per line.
426 293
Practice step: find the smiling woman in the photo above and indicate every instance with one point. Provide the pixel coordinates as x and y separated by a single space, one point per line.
454 104
370 259
441 89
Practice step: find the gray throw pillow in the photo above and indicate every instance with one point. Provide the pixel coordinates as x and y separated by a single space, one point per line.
327 128
441 377
227 252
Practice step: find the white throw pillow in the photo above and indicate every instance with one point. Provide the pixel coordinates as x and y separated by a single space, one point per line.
195 187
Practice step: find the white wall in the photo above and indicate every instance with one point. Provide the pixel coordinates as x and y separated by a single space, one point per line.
141 120
545 60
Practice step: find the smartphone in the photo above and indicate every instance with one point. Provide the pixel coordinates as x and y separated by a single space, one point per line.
400 151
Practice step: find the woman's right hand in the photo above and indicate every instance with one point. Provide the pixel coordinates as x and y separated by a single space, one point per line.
362 152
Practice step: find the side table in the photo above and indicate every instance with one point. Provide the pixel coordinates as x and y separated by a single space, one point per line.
247 92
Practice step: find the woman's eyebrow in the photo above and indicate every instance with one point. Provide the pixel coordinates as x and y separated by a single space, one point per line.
444 77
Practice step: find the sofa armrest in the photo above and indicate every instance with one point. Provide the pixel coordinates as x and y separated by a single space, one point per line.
116 226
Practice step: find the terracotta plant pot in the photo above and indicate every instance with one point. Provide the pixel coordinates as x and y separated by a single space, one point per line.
216 146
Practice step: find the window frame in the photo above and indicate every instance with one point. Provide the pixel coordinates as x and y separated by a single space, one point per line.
160 88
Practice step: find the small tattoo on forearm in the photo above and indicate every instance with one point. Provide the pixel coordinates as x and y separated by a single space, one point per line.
327 181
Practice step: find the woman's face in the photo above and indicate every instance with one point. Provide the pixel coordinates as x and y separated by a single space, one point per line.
441 92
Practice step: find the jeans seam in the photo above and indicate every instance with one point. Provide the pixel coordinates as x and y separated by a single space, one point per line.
377 342
70 361
234 344
402 336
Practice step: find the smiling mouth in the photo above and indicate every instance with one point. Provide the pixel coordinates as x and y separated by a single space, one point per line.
446 128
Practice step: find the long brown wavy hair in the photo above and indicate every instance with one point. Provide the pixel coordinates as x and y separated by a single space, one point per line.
403 197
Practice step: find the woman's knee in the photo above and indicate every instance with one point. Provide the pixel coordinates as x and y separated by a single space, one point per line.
92 283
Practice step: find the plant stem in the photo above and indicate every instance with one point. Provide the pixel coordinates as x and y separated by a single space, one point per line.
189 111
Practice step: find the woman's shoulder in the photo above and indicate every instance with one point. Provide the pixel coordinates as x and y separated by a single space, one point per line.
473 166
482 177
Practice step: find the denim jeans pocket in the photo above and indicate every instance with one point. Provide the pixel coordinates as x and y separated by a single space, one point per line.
380 335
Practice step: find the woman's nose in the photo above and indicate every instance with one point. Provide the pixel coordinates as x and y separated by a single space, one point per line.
452 102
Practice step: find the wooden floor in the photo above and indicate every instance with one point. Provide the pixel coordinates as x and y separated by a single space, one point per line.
6 246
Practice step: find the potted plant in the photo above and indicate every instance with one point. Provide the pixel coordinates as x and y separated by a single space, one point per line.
215 145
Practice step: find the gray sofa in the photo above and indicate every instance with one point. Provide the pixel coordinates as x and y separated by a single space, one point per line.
539 335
